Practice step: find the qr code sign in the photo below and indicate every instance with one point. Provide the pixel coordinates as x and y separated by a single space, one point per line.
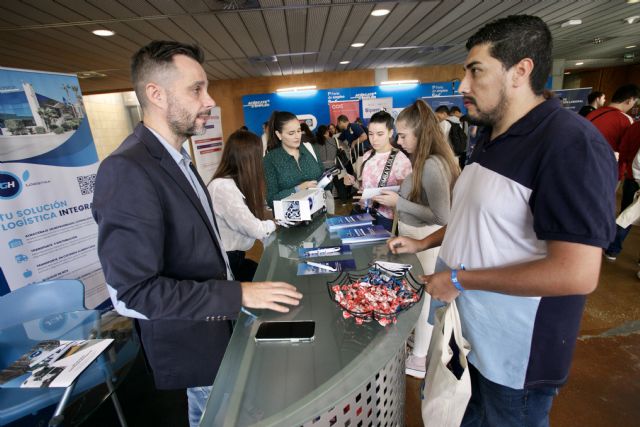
86 183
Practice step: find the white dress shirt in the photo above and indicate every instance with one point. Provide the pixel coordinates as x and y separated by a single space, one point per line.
239 228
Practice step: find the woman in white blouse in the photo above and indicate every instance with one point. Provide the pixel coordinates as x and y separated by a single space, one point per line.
238 196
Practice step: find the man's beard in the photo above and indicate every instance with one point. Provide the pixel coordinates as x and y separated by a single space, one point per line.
490 117
181 122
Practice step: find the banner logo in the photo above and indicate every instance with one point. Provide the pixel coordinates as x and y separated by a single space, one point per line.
10 185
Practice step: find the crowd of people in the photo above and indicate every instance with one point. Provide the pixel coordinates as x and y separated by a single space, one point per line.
515 238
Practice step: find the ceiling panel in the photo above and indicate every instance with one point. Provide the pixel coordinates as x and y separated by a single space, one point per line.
306 35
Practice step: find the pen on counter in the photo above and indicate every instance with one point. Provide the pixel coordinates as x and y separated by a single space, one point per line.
323 251
321 266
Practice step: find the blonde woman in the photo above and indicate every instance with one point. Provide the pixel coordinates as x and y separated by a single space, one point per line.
423 203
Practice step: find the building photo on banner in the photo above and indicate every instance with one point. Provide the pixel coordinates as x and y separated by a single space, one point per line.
48 164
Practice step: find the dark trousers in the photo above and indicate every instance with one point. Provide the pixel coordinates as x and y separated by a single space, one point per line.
494 405
344 192
629 188
243 269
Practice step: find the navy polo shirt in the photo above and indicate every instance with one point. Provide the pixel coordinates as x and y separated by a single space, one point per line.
352 133
550 176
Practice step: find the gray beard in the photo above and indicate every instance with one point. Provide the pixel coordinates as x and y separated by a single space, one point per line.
181 123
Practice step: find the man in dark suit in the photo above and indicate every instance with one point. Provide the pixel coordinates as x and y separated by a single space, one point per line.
157 238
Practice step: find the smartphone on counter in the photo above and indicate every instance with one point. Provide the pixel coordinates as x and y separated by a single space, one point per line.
290 331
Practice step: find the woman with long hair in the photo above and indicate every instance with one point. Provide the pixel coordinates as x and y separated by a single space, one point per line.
424 201
238 195
289 166
384 166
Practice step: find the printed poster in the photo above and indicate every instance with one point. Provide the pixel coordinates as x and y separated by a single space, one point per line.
207 148
351 109
48 164
373 105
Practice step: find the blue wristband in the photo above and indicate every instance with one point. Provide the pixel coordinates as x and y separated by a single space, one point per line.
454 280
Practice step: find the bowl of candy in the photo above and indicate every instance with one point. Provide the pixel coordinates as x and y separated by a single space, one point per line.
379 293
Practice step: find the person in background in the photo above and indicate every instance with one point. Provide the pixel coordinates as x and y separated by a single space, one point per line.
158 241
530 214
237 192
612 121
243 127
442 113
353 134
289 167
265 137
307 135
423 203
595 100
326 147
383 156
332 130
629 146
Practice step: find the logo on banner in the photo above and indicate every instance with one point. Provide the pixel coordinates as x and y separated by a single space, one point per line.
10 185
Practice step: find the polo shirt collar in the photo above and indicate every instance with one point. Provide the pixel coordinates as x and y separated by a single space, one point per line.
526 124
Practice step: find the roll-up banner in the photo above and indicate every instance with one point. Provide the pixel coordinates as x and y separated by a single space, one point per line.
48 164
207 148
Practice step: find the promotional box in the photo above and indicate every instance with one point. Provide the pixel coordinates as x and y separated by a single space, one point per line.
302 206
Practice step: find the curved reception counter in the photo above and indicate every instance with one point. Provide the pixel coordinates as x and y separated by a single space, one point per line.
350 375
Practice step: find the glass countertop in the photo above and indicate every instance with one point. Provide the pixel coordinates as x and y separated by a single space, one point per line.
289 383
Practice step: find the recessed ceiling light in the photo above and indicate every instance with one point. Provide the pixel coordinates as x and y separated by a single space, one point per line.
103 33
380 12
399 82
571 22
296 89
567 72
631 19
633 1
630 47
357 44
344 62
579 63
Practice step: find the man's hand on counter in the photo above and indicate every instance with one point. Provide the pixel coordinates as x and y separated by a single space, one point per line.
269 295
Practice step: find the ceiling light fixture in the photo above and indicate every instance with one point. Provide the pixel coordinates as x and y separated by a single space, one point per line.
344 62
357 44
103 33
399 82
295 89
630 47
380 12
579 63
631 19
571 22
567 72
633 1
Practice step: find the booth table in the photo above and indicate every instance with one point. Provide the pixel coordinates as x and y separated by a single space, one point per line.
349 375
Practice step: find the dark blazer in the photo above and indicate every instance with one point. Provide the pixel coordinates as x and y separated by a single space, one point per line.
158 251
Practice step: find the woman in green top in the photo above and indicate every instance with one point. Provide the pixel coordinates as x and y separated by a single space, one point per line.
288 166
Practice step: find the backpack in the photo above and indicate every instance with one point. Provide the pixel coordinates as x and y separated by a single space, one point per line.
457 138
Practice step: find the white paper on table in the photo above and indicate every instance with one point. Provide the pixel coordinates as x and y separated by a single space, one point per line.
368 193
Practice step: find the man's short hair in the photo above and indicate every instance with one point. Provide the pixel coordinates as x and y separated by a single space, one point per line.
593 96
455 109
157 57
514 38
625 92
442 109
342 118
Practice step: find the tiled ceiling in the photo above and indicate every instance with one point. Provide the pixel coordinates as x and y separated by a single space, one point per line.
250 38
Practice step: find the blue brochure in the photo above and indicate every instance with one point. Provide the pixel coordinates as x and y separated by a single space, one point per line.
340 222
368 234
325 267
324 251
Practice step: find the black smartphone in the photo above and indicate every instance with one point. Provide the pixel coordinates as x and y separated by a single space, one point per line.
291 331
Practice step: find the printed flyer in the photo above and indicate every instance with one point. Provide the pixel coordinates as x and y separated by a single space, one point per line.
48 164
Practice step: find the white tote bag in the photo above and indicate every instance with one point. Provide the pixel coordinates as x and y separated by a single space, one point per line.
631 214
445 396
